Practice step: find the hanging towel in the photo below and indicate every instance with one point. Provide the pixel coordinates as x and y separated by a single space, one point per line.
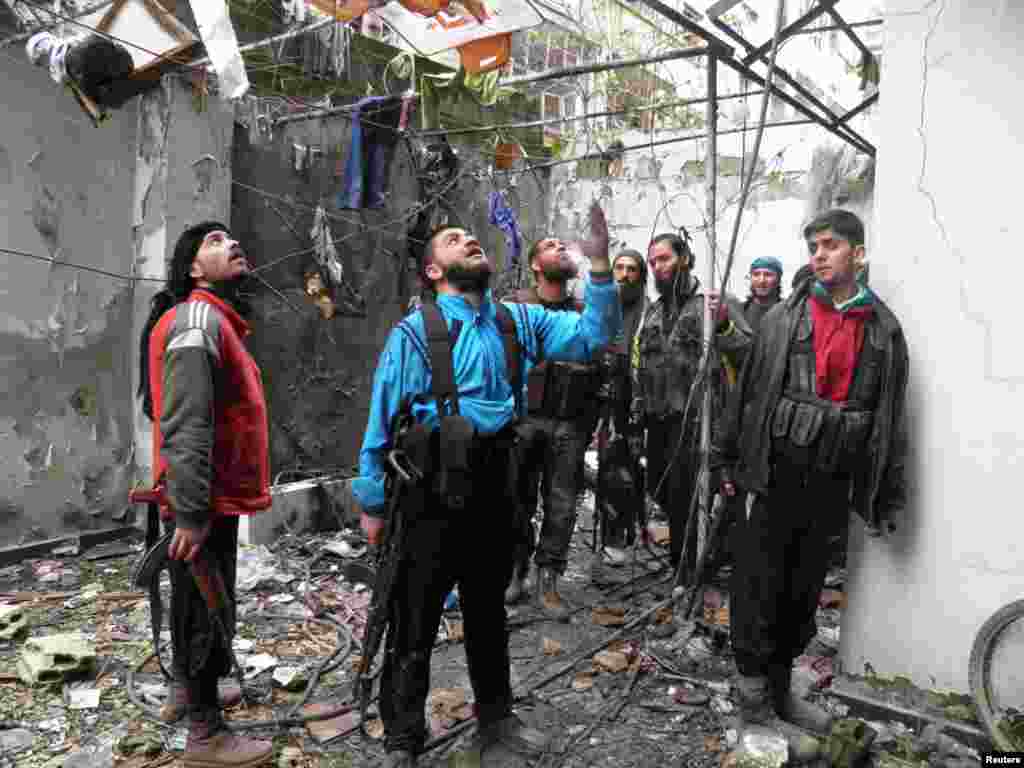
501 216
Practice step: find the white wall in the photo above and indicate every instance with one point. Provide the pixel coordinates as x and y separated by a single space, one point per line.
946 259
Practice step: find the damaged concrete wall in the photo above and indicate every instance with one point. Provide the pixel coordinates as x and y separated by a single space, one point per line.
67 194
182 164
318 372
945 260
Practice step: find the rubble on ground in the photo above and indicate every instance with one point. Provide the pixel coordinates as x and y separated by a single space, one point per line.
654 692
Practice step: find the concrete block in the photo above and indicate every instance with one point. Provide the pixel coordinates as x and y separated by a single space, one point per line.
307 506
12 622
55 657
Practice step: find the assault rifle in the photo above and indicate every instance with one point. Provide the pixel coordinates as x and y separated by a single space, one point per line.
205 573
403 475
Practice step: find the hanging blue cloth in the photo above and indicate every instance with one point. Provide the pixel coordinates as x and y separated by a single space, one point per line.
501 216
368 166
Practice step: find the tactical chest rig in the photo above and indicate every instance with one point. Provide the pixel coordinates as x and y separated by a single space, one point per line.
457 436
560 390
821 435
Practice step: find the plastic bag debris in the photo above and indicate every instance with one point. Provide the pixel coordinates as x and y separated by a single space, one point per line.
762 748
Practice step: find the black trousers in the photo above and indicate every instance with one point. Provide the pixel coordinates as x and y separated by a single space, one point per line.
472 547
553 468
782 555
673 462
200 654
622 494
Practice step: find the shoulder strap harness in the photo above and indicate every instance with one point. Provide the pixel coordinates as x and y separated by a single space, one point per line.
441 342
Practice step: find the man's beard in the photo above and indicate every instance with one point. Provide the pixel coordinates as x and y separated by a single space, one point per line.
562 272
232 292
630 293
469 279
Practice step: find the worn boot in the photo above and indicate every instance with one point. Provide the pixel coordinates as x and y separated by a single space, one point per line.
548 599
757 713
211 745
516 589
513 734
177 704
755 699
790 704
399 759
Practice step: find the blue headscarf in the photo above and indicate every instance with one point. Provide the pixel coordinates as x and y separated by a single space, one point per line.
767 262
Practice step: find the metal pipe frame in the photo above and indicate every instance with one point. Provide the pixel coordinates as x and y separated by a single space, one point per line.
603 66
711 201
822 7
828 119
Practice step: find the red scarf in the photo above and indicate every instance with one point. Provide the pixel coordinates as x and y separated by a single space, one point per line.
838 338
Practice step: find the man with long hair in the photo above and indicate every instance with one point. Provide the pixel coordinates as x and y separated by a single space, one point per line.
667 354
203 392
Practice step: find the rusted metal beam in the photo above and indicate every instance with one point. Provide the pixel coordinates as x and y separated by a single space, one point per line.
854 38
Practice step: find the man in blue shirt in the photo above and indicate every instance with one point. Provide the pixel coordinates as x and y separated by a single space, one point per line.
471 545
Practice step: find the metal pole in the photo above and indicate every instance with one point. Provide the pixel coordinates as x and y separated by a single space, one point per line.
319 24
710 194
604 66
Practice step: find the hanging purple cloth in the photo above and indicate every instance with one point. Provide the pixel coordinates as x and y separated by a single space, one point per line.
501 216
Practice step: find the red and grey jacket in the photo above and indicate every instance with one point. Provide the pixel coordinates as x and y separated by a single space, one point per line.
210 443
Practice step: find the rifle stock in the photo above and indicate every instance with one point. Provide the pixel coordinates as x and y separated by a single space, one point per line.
388 559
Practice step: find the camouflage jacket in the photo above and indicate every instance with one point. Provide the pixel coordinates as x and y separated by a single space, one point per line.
667 350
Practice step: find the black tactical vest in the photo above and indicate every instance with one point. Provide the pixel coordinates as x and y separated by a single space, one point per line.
556 389
821 435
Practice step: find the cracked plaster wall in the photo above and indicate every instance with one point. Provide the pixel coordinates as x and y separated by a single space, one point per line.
67 336
945 252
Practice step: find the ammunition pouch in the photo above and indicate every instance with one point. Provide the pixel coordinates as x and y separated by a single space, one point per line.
455 465
563 391
820 435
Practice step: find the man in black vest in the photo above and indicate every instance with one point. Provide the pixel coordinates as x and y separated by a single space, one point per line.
465 539
562 409
815 427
